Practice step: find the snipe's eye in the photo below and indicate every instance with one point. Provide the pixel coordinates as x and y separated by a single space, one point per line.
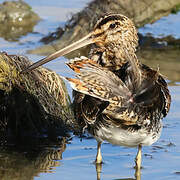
112 26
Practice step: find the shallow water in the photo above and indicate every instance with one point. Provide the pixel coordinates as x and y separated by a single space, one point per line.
161 161
164 27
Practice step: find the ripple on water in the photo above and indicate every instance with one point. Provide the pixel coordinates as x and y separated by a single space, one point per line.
160 161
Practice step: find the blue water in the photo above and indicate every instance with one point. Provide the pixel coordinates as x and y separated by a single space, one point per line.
166 26
160 161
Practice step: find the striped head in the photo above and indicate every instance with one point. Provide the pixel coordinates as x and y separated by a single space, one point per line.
115 29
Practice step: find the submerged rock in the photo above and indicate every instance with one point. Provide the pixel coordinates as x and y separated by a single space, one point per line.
16 19
141 12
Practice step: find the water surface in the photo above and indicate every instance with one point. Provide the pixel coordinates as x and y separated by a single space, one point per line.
166 26
74 160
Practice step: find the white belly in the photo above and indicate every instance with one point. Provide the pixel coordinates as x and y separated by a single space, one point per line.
122 137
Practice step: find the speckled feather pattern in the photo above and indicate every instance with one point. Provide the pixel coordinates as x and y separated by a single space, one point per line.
117 98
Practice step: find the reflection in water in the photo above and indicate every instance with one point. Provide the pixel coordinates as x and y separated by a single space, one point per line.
167 60
98 170
13 33
24 163
137 173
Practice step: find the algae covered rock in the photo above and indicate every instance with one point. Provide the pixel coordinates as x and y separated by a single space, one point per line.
16 19
34 104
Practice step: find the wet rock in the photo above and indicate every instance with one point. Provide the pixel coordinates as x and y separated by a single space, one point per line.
32 105
168 42
53 36
141 12
16 19
176 9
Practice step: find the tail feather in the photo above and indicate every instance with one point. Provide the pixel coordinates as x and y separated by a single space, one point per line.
136 74
142 81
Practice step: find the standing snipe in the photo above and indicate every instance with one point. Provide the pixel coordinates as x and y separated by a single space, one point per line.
116 98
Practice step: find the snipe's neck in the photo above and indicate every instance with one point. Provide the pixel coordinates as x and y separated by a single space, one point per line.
113 56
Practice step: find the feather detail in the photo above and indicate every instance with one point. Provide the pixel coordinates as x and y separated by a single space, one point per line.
98 82
126 100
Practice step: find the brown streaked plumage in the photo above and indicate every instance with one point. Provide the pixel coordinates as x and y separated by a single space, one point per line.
116 98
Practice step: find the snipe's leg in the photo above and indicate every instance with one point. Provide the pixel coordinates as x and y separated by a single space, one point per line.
138 163
98 156
138 157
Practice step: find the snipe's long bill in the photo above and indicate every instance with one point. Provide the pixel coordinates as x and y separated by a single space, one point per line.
117 98
89 39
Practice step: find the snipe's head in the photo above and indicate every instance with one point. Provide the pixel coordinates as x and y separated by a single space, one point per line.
113 31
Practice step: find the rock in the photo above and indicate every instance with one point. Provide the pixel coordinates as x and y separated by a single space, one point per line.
32 105
16 19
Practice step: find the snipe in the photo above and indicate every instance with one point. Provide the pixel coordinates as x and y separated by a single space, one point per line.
116 98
